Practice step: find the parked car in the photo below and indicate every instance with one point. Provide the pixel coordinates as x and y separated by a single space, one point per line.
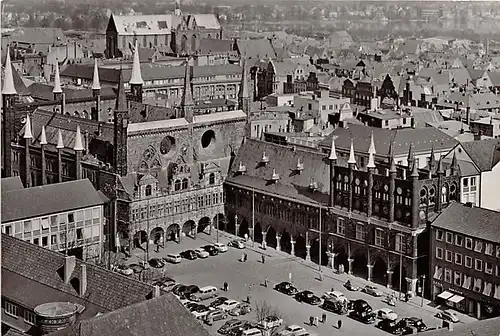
216 315
364 317
241 309
191 306
217 302
360 306
350 287
136 268
335 306
308 297
286 288
271 322
229 305
292 330
201 253
415 322
387 314
220 247
231 324
156 263
390 326
124 269
211 249
372 290
189 255
167 284
204 293
173 258
448 315
201 311
189 290
178 289
335 296
236 244
241 329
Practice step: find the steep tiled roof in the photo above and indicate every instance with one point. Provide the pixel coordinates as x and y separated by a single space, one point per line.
41 268
283 160
214 46
143 24
48 199
255 50
140 112
207 21
11 183
423 139
485 153
147 318
44 92
476 222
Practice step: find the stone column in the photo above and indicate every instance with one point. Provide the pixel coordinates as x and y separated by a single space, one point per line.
389 279
195 230
237 229
292 252
350 261
478 309
308 252
370 272
264 244
412 285
278 246
250 233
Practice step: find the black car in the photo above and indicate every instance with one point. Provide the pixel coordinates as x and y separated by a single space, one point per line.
191 289
189 254
178 289
390 326
308 297
360 306
217 302
364 317
286 288
212 250
167 284
335 306
156 263
230 325
414 322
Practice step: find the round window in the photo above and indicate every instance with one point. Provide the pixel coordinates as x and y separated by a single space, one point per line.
167 145
208 139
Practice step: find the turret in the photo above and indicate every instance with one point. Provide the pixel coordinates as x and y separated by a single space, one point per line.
9 94
59 147
333 161
78 148
243 95
415 199
136 81
454 164
57 90
352 166
352 157
96 92
28 138
432 162
371 171
187 96
177 10
43 142
121 118
411 156
371 152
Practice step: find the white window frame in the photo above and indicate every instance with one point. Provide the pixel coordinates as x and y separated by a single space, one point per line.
488 267
11 309
457 236
439 253
29 317
448 276
489 249
341 226
459 255
467 241
399 245
379 237
360 232
480 263
448 256
468 262
439 235
450 236
478 246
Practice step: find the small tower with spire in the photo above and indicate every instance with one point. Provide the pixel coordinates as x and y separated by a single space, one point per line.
96 92
352 166
43 143
177 10
187 103
57 90
78 148
28 138
136 81
121 119
9 94
415 199
392 182
243 95
333 161
59 147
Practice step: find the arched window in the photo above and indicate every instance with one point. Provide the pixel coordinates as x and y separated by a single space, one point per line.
185 183
148 190
177 185
77 114
193 43
211 178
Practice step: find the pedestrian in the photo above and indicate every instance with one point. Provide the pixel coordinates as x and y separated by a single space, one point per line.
225 286
248 299
316 321
263 259
209 320
407 297
339 324
311 320
323 318
157 248
245 257
265 282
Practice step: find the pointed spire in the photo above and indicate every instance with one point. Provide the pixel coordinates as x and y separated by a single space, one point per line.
333 151
244 82
136 77
432 159
57 81
43 136
27 128
78 140
187 97
352 158
372 150
121 98
454 162
440 166
414 172
392 167
96 84
60 142
411 155
8 86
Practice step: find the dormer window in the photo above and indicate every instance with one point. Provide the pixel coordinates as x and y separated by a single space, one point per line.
185 183
177 185
242 168
275 177
265 159
300 166
313 185
211 178
148 190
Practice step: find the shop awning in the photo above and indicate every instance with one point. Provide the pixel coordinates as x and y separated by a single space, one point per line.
456 298
445 295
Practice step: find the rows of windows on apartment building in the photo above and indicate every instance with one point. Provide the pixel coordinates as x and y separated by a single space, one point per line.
61 230
16 311
478 265
176 207
268 128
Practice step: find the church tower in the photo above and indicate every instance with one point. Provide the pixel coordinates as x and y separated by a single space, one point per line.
136 81
9 94
177 11
121 117
243 96
187 103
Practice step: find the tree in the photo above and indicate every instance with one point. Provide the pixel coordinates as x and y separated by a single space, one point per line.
263 310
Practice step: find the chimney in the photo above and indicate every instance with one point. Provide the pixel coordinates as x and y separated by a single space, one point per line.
156 291
83 279
69 267
477 136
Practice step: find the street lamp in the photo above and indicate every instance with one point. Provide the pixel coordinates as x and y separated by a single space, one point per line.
423 286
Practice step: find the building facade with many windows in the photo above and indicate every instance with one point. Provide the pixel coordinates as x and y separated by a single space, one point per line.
465 260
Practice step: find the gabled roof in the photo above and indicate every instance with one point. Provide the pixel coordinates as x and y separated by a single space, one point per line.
485 153
44 92
255 50
283 161
146 318
207 21
40 273
48 199
475 222
215 46
143 24
11 183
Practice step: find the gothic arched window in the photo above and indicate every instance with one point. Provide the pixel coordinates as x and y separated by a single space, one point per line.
148 190
211 178
185 183
177 185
